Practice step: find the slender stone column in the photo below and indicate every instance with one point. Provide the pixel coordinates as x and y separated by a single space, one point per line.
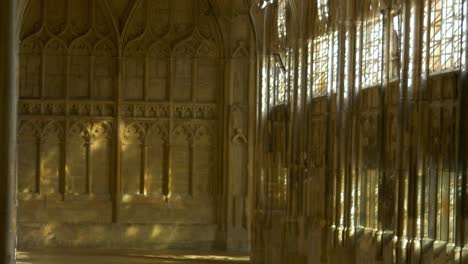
8 100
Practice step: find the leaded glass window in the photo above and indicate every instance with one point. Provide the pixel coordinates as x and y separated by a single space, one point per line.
320 62
372 53
443 34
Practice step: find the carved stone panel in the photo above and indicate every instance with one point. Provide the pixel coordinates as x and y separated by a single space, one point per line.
157 161
122 100
183 80
240 79
158 74
207 80
30 69
101 153
79 71
134 78
51 158
105 71
55 69
180 178
132 158
28 165
204 162
78 139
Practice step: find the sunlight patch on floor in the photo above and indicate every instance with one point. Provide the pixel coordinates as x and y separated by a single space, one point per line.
125 257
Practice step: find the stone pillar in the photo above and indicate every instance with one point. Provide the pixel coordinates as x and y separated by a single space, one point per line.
8 100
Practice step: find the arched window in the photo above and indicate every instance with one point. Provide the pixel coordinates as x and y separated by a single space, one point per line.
279 63
322 53
443 20
323 63
320 59
278 81
372 52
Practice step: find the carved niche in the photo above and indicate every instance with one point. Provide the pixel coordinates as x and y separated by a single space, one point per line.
133 145
28 162
157 148
204 162
89 158
51 157
78 141
181 154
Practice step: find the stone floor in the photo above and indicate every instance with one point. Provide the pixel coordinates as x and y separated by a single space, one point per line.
126 257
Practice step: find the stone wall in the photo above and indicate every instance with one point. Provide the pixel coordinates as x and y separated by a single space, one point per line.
124 116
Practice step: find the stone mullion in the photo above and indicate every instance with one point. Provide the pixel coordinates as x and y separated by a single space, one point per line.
143 169
91 88
166 168
191 163
63 161
119 126
89 160
8 130
219 189
193 90
63 143
38 164
146 75
43 75
169 148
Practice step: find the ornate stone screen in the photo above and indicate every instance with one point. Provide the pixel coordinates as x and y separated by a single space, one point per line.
119 121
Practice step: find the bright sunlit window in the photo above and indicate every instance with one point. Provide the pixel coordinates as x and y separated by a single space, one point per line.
444 19
320 60
372 52
322 8
281 21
